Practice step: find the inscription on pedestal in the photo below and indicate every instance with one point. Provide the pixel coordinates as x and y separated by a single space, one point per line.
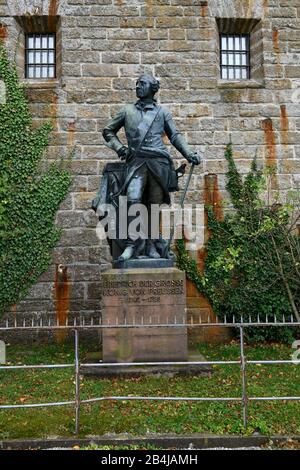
144 297
142 291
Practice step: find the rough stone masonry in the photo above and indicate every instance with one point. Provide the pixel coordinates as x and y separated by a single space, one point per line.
102 46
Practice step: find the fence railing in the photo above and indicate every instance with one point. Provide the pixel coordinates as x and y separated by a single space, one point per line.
95 324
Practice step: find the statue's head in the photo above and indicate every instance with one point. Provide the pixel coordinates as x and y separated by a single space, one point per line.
146 86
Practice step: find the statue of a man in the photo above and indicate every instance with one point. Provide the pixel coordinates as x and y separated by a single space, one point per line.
149 164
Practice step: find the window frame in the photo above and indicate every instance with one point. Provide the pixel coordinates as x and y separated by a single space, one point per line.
41 50
235 52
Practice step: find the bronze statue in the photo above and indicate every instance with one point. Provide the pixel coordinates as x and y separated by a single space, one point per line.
150 174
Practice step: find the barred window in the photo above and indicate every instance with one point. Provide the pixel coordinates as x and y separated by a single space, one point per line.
235 56
40 56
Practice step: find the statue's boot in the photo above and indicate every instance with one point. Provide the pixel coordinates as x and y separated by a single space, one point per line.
127 253
152 251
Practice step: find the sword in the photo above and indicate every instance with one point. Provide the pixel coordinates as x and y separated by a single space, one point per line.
181 202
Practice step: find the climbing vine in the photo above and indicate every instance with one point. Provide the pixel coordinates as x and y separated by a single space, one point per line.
29 196
243 274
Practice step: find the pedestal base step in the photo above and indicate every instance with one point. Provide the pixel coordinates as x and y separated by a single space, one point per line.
137 371
144 263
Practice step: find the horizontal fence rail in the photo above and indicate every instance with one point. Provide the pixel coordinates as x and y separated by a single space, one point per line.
81 324
92 322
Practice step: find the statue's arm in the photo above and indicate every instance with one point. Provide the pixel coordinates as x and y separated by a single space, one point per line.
111 129
177 139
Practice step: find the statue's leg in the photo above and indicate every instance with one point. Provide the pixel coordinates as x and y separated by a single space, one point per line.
134 195
155 195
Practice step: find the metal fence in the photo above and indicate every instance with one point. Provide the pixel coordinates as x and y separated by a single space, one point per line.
95 324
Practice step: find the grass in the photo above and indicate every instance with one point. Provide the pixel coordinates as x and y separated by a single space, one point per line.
140 418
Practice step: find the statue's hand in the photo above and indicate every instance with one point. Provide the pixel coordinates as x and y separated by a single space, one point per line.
122 153
194 158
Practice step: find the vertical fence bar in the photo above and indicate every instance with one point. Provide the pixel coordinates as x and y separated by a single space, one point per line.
244 378
77 383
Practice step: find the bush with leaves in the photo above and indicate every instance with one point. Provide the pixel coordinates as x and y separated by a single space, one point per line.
242 275
29 196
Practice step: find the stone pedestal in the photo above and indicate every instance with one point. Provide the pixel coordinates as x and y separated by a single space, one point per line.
144 297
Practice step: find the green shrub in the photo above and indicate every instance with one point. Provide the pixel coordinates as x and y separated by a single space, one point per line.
242 275
29 196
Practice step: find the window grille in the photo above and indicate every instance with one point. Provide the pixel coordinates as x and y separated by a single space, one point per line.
235 56
40 56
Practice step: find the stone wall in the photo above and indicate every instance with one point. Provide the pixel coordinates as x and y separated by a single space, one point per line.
103 46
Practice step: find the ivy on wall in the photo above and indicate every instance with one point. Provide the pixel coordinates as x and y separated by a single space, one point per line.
29 196
243 274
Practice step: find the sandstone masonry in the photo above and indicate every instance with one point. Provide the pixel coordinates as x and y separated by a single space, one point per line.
102 46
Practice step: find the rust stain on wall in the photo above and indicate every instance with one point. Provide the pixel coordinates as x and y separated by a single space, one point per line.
62 298
212 195
3 32
212 198
203 9
276 45
13 310
275 36
284 124
270 140
53 7
198 306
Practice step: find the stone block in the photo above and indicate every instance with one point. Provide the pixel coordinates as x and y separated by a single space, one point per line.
171 22
120 57
177 33
86 167
70 255
144 297
98 22
292 71
129 33
99 70
141 22
70 219
78 237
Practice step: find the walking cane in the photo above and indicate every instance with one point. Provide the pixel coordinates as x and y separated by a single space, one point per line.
182 198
